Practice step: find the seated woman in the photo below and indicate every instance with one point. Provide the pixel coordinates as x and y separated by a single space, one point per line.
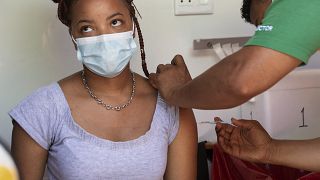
105 122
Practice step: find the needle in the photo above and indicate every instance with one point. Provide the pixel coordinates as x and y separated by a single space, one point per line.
215 122
212 122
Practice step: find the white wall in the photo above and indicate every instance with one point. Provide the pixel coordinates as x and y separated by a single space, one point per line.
34 51
35 48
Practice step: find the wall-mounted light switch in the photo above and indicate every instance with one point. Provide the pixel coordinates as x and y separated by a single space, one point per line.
193 7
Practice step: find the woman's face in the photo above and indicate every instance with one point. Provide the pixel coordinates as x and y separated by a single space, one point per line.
97 17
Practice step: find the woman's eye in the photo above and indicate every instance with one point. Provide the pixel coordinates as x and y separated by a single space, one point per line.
86 29
116 23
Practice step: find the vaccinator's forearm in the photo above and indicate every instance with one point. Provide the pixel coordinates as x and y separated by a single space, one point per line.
235 79
302 154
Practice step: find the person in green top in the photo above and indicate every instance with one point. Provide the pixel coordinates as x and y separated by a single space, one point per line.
287 34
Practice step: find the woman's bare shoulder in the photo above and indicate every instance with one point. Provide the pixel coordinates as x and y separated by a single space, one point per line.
70 83
144 86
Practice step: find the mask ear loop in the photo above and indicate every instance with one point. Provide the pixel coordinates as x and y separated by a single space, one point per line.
70 33
75 44
133 29
74 41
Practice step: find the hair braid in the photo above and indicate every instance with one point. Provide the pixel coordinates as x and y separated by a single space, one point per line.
132 10
142 51
64 16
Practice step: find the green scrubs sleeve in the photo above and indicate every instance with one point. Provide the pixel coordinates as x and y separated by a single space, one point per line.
291 27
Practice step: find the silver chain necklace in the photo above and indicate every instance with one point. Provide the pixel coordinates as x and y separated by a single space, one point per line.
109 106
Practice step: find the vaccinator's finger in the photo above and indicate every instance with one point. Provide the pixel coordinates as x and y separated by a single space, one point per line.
153 80
178 60
244 123
160 68
217 119
229 128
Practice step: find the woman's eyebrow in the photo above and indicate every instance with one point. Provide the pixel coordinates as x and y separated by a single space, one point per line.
115 14
85 21
91 21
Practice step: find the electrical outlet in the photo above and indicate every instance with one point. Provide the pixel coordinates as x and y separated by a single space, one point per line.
185 2
193 7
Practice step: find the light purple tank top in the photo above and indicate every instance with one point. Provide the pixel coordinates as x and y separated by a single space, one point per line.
75 154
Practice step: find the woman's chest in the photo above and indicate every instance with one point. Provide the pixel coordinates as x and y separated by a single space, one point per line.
124 125
114 126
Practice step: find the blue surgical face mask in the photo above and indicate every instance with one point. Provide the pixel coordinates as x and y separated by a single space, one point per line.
106 55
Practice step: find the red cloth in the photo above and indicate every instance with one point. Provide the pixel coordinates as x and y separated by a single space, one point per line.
226 167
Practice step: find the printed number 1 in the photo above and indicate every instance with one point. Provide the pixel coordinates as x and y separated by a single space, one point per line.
302 112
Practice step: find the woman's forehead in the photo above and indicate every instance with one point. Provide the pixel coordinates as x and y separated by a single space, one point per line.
87 7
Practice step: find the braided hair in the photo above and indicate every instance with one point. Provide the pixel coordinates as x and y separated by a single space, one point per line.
64 16
245 10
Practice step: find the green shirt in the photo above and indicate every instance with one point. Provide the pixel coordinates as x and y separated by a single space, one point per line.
291 27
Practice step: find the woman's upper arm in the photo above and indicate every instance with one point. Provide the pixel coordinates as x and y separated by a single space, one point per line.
182 153
29 156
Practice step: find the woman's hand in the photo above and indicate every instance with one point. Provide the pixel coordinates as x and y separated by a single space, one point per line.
244 139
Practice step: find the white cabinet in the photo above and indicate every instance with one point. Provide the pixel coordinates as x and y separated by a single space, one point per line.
291 108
